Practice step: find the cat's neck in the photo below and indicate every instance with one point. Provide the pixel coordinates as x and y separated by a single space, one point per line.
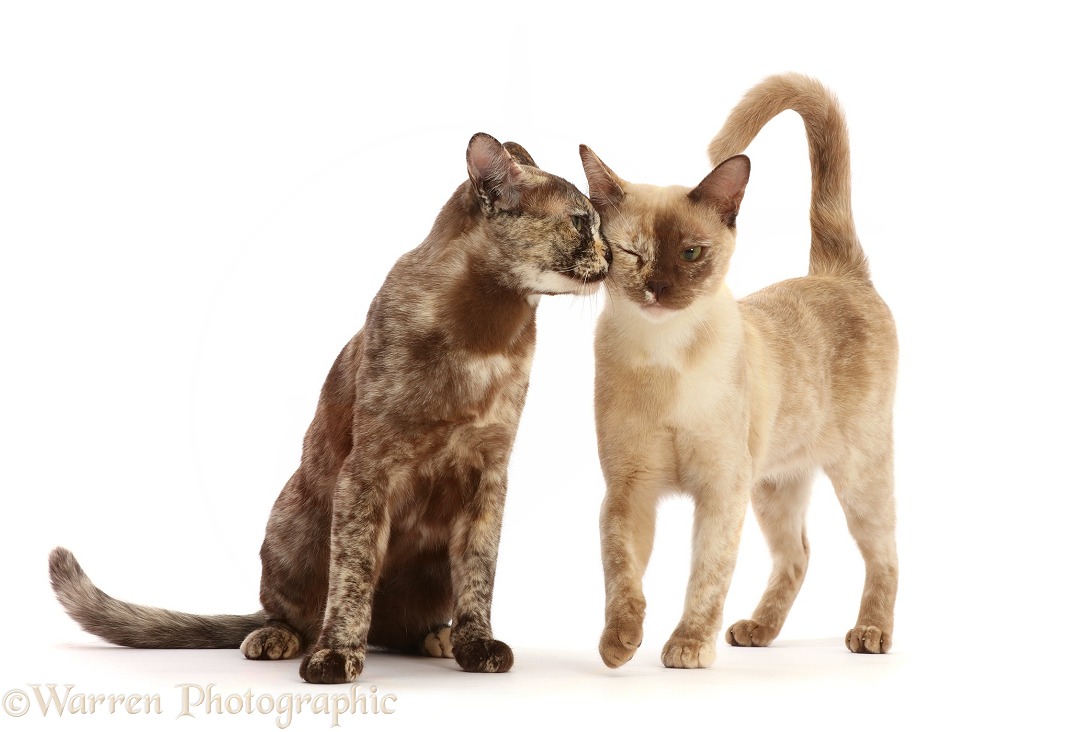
474 299
457 217
675 339
487 314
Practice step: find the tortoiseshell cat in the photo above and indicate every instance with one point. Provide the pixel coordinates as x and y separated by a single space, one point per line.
389 529
725 400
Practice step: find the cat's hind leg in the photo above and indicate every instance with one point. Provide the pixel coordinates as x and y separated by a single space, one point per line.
780 506
864 483
294 571
273 642
437 643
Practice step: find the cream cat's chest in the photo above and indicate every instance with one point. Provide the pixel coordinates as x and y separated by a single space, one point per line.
702 397
690 380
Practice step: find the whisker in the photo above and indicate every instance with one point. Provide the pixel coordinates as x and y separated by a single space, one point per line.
710 328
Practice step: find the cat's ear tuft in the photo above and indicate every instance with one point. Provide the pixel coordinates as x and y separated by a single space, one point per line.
494 173
723 188
519 154
605 187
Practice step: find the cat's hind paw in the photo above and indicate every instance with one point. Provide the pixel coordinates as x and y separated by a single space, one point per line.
484 656
620 641
270 644
868 639
750 633
330 666
438 643
688 653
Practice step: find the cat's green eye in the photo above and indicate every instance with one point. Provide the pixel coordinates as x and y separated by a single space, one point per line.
581 223
691 254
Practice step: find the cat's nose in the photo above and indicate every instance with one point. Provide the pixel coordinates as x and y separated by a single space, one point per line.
608 254
658 288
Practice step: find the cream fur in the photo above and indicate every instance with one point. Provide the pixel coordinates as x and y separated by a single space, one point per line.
725 400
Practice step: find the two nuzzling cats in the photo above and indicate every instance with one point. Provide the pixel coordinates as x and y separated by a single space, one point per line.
389 529
732 402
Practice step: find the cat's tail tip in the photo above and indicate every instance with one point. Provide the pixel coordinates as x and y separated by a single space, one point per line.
64 571
61 560
139 626
73 588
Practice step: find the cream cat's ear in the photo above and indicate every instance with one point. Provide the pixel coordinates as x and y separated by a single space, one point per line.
723 188
494 173
605 187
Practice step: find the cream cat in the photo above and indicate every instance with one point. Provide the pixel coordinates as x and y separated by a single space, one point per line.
727 401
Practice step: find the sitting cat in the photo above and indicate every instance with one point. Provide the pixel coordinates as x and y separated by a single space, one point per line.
389 528
727 400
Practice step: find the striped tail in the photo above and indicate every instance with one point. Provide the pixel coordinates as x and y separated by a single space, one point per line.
835 249
138 626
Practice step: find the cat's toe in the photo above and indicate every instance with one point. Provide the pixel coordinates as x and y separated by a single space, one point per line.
688 653
438 643
330 666
868 639
271 644
484 656
750 633
620 641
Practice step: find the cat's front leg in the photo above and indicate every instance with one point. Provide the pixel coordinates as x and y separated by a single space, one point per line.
627 527
360 530
475 541
719 512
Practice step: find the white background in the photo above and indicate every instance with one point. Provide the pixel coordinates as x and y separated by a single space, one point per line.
198 203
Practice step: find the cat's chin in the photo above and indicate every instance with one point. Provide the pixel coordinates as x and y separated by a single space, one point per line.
656 313
587 288
553 283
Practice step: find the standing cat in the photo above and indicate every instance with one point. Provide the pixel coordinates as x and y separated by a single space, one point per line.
390 526
725 400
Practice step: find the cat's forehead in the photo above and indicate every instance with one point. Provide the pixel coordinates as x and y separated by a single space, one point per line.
550 194
648 215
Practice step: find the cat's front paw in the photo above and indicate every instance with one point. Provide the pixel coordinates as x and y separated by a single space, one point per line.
688 653
620 641
330 666
484 656
270 644
438 643
750 633
868 639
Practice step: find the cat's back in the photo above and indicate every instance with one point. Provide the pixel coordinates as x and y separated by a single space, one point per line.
828 345
828 352
841 313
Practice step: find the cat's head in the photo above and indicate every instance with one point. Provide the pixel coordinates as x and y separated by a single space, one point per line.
545 230
670 244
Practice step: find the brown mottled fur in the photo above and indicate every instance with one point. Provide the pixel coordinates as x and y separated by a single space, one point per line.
728 400
389 528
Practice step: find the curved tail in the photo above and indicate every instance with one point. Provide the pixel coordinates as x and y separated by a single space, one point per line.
835 249
138 626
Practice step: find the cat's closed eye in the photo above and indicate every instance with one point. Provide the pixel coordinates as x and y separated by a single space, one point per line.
581 223
631 252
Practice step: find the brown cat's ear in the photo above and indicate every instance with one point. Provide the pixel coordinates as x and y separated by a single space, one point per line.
605 187
494 173
519 154
722 189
